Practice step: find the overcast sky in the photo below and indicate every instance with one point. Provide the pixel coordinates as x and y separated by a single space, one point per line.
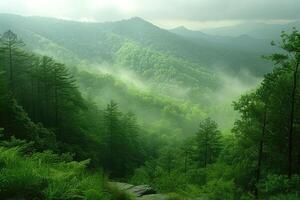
195 14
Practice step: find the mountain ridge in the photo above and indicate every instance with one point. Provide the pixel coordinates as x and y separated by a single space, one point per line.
257 30
100 42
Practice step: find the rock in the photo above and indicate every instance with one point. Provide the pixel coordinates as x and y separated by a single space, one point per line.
121 186
141 190
136 191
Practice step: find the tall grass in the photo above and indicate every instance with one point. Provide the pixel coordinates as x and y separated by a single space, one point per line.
46 176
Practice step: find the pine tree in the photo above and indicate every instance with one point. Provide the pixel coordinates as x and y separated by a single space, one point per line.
3 98
208 144
289 62
11 48
112 138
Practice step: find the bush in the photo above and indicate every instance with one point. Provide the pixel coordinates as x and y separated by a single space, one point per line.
116 194
140 177
192 191
219 190
174 197
286 197
46 176
277 185
18 177
173 182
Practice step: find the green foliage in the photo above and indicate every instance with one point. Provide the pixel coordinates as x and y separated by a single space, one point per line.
278 185
123 150
116 194
3 93
208 144
285 197
116 35
47 109
158 113
15 120
172 182
40 102
163 68
266 133
177 168
219 189
174 197
46 176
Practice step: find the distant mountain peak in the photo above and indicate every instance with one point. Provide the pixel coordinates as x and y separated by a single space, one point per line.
183 31
138 20
181 28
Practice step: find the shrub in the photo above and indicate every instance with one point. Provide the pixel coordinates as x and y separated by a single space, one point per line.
173 182
277 185
46 176
19 178
219 190
174 197
285 197
116 194
140 177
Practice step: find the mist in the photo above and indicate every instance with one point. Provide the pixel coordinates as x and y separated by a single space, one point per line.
149 100
126 81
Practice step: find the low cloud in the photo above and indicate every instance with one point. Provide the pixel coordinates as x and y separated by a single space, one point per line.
163 12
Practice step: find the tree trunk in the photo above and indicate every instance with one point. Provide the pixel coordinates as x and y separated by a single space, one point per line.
260 151
10 65
292 116
56 101
185 162
206 151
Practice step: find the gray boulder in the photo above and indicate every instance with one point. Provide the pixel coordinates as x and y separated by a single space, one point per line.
136 191
141 190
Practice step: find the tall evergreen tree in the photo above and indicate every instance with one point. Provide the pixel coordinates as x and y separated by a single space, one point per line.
208 144
3 97
112 138
289 62
11 48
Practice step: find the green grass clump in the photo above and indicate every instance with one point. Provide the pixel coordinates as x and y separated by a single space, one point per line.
117 194
174 197
46 176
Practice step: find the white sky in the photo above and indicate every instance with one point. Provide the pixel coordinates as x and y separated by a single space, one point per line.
166 13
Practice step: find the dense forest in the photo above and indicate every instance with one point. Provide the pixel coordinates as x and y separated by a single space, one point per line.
77 116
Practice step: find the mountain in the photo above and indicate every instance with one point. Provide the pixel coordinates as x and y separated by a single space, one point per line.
241 42
100 42
183 31
181 65
256 30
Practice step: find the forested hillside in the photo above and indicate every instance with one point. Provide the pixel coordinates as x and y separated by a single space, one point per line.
98 42
42 107
240 41
155 59
83 105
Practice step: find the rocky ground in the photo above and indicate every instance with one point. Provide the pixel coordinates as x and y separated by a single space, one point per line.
141 192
